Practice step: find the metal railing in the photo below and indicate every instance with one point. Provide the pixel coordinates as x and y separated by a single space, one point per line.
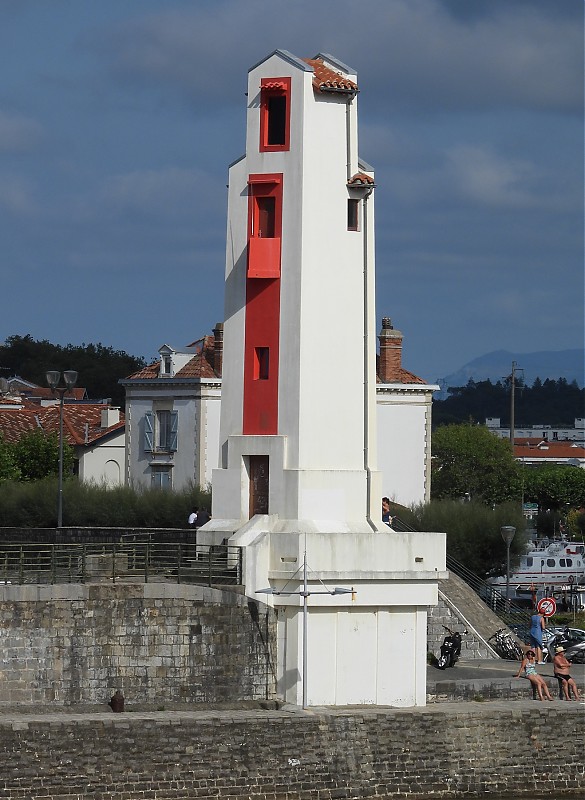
506 610
122 561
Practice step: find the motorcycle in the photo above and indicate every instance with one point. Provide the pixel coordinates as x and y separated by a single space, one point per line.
450 649
566 637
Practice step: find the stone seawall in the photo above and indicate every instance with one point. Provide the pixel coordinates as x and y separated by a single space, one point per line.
443 752
156 642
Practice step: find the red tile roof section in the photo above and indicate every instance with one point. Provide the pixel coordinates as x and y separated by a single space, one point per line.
327 79
200 366
77 421
359 179
552 450
403 376
151 371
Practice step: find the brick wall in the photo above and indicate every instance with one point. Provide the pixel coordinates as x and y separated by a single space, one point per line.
155 642
495 748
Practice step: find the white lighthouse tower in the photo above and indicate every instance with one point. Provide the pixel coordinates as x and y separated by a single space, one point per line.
297 486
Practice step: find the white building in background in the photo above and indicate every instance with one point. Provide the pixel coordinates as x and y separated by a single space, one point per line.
172 416
298 483
404 405
538 433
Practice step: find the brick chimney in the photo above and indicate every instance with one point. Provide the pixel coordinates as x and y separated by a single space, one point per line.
218 349
390 362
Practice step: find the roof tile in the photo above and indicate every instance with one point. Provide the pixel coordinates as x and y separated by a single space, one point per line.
327 80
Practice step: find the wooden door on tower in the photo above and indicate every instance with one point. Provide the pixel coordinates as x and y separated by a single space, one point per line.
259 485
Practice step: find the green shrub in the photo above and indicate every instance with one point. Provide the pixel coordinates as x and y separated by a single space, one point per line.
34 504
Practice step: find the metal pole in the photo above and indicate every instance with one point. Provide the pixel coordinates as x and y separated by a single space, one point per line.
508 573
512 393
60 500
305 620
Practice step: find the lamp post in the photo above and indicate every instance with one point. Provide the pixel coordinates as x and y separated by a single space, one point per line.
508 532
70 379
305 594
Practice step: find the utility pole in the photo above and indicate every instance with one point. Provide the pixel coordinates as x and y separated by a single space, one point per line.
515 367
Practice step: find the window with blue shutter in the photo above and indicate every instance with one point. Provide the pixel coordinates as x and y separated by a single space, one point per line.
148 439
173 431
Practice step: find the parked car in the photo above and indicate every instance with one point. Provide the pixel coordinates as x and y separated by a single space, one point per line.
565 636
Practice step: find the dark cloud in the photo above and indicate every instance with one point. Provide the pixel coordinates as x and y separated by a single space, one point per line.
119 119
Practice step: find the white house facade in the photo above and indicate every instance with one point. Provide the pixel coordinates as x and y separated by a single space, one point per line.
172 416
404 406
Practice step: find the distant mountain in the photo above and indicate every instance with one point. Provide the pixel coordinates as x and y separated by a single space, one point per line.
553 364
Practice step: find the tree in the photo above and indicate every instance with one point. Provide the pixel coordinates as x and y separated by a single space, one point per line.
8 468
99 367
473 532
36 456
549 402
469 461
554 486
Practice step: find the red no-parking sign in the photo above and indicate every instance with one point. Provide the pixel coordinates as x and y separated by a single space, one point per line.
547 606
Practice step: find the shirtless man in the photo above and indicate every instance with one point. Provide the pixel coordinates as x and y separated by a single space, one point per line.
562 666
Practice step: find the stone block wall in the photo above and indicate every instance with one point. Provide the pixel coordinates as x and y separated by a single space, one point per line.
442 615
157 643
472 751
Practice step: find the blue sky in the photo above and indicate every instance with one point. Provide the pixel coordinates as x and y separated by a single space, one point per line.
118 119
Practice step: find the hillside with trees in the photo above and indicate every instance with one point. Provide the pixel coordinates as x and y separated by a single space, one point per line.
547 402
99 367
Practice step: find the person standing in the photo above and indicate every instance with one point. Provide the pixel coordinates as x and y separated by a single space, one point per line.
537 626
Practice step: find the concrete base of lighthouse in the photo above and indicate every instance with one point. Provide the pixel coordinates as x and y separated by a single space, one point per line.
364 647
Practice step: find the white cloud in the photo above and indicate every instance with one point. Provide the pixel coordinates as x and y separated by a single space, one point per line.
415 53
18 133
17 195
158 192
479 174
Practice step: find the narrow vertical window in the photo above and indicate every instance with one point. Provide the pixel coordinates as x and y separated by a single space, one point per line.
352 214
261 363
276 134
274 114
265 217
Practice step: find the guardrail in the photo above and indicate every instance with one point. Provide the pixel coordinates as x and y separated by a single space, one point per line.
506 610
122 561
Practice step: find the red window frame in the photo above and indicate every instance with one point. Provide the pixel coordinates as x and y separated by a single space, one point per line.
270 89
264 252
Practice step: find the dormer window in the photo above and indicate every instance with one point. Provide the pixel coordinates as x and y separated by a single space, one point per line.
167 365
274 114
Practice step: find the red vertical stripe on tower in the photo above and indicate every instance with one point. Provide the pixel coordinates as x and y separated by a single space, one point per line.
261 349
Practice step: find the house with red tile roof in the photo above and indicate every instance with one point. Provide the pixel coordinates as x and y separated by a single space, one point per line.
95 431
538 453
172 416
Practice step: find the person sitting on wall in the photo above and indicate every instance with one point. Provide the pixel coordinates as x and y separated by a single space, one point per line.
562 666
193 518
537 681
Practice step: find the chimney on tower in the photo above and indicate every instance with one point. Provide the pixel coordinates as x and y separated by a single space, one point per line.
390 361
218 348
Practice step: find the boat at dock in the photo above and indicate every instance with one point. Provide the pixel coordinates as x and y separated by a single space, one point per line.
549 567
